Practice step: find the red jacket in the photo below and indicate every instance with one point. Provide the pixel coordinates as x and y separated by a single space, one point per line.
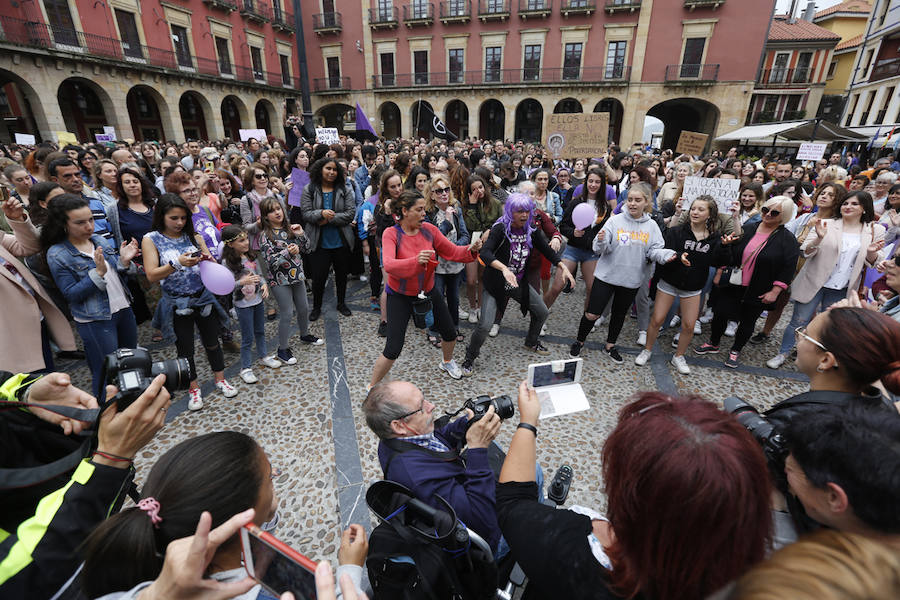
399 253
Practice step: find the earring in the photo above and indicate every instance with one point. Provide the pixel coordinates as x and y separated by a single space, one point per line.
820 369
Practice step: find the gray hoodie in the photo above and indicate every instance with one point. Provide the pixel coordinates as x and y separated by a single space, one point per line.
627 246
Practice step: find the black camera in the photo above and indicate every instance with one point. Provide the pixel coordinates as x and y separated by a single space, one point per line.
503 406
772 442
132 370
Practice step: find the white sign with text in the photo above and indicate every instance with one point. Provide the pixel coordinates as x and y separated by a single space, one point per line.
810 151
25 138
723 191
327 135
246 134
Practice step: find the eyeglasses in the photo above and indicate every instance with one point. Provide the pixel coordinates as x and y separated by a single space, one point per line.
411 413
190 191
801 332
440 191
260 176
765 210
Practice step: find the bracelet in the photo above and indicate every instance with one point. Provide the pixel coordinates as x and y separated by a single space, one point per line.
114 457
529 427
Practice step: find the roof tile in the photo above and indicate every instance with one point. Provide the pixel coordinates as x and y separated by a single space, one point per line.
799 30
848 6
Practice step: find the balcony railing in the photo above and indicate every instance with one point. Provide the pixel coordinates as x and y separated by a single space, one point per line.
713 4
226 5
616 75
456 11
533 9
418 13
493 10
784 77
613 6
325 84
885 69
255 10
384 17
578 7
282 20
692 73
327 23
771 116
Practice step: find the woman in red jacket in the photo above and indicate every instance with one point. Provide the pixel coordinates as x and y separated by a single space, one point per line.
409 252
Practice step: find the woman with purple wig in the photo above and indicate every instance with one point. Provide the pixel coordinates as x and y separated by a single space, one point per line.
505 255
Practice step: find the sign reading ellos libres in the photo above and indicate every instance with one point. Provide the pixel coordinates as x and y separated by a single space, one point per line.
576 135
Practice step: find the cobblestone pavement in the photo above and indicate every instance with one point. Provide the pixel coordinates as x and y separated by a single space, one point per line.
308 418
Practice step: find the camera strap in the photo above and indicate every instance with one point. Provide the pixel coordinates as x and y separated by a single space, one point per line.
399 447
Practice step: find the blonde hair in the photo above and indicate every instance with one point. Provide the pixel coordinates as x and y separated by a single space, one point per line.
785 205
429 198
828 565
646 191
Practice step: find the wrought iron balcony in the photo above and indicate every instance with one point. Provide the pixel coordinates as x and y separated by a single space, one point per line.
535 9
383 17
613 6
692 73
418 13
456 11
325 23
615 75
331 84
226 5
493 10
780 78
255 10
282 20
578 7
713 4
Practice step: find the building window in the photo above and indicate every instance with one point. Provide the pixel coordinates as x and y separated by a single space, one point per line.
224 56
615 60
532 63
852 110
420 9
779 68
61 23
492 61
285 62
691 62
182 48
572 61
420 66
456 65
131 42
333 64
494 6
801 73
792 108
385 10
831 69
387 68
456 8
256 62
863 120
888 95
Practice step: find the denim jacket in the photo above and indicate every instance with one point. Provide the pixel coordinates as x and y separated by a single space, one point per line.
77 278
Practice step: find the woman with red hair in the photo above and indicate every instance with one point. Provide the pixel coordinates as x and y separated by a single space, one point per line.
687 506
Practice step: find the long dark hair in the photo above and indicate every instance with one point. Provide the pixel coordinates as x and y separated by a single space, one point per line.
39 193
217 472
267 206
230 256
601 193
315 173
147 197
166 203
54 230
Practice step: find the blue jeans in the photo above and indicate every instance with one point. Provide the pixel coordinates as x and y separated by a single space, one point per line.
104 337
253 322
805 311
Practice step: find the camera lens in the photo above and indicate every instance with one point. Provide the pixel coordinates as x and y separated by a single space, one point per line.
177 372
503 406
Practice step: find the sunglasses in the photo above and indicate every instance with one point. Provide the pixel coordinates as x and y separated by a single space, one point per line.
765 210
260 176
440 191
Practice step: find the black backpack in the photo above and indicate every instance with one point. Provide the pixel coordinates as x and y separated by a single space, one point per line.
418 552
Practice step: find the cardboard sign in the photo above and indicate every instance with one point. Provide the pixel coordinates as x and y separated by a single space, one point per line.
576 135
24 138
246 134
66 137
810 151
327 135
111 132
691 142
103 137
724 191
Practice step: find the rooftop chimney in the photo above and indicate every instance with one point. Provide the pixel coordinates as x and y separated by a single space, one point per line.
810 11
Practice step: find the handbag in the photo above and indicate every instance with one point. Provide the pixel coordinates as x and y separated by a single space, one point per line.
737 275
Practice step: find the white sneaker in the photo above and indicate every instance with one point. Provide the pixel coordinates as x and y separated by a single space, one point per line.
707 316
544 329
195 399
776 361
227 390
601 320
248 376
452 369
642 338
676 320
731 329
463 314
681 364
473 317
642 358
495 330
363 278
675 339
697 329
271 362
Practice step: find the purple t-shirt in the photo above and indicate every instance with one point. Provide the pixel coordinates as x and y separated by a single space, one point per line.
610 192
208 231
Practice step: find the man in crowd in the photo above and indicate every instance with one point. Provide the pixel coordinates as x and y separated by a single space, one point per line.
782 172
193 156
368 153
67 174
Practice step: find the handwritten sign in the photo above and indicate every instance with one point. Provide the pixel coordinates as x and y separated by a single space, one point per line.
110 131
810 151
66 137
103 137
327 135
25 138
691 142
576 135
246 134
723 191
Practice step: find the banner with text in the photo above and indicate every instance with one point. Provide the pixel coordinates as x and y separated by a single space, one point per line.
576 135
809 151
327 135
723 191
246 134
691 142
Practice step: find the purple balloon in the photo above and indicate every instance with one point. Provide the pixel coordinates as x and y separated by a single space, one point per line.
217 278
583 216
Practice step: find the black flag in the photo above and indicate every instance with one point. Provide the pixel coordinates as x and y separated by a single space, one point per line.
429 121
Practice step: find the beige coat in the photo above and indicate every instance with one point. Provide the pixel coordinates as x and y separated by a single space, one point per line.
820 261
20 316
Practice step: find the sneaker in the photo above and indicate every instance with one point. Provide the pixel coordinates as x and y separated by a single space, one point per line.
314 314
463 314
706 348
776 361
495 330
231 346
227 390
543 329
731 328
614 355
642 358
575 349
732 361
452 369
676 320
538 348
676 339
286 356
468 367
681 365
248 376
759 338
270 361
707 316
363 278
195 399
642 338
473 316
697 329
344 310
382 329
311 340
374 305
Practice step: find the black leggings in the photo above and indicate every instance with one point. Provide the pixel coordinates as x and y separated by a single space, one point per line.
400 308
731 306
209 334
601 293
375 276
320 263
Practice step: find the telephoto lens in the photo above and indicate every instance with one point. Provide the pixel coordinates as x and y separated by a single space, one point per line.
177 372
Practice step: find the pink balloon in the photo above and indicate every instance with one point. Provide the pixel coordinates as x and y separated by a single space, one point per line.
217 278
583 216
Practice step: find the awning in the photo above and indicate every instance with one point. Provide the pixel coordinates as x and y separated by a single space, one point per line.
826 131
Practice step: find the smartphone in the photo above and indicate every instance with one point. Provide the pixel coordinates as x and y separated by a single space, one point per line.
275 565
209 166
197 254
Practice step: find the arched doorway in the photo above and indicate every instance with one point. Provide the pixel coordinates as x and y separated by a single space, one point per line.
491 120
192 108
144 112
417 131
456 117
231 117
529 120
690 114
21 108
390 120
265 116
82 104
335 115
615 110
567 105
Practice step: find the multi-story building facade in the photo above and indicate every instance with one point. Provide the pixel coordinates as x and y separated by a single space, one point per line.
494 68
157 70
794 70
847 19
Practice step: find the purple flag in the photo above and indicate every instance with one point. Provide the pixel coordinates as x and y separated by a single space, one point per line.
362 121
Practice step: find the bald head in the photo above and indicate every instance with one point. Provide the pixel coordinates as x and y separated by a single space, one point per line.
392 401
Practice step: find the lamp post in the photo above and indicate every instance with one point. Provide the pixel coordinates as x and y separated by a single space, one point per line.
309 129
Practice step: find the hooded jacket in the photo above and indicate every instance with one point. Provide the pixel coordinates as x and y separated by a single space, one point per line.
627 249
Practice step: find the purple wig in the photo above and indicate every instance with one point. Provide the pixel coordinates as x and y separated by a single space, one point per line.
518 203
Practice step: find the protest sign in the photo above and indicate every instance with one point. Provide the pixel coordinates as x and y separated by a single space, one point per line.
103 137
576 135
24 138
327 135
691 142
246 134
111 132
810 151
66 137
723 191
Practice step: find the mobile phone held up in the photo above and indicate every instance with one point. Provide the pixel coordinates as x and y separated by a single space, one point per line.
275 565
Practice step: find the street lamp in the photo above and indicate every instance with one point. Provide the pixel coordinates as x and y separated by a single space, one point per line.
309 130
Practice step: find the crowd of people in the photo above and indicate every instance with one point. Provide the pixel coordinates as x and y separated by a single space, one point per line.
101 238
